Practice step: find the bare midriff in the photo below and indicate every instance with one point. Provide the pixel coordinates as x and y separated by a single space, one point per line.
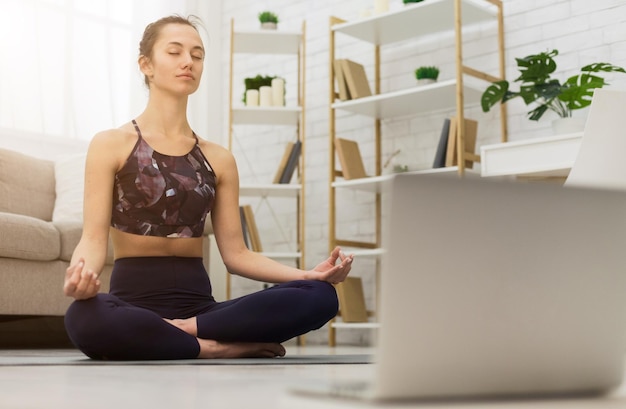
134 245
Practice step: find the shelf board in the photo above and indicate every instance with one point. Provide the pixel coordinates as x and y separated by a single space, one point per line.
426 18
411 101
356 325
267 42
377 184
282 255
270 190
544 156
365 253
266 115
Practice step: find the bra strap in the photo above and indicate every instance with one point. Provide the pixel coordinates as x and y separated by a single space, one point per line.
137 128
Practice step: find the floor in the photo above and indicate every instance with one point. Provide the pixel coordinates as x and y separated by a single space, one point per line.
217 386
168 386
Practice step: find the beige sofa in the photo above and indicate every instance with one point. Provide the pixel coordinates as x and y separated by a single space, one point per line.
36 243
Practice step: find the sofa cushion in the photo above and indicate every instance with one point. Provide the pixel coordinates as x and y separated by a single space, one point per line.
28 238
69 174
26 185
70 232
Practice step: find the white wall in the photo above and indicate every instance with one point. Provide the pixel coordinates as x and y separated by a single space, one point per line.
583 31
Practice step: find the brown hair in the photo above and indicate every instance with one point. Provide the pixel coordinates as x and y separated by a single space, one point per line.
152 31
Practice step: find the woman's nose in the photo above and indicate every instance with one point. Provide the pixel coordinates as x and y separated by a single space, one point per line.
187 61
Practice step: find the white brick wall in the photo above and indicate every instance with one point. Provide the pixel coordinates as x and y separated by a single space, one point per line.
583 31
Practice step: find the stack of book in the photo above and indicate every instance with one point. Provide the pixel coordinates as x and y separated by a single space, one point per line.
351 80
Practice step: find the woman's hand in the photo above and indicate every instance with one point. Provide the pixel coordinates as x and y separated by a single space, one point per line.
328 270
80 283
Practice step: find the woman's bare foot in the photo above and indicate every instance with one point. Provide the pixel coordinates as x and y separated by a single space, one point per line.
213 349
188 325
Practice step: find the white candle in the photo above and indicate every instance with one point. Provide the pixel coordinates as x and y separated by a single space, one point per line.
265 96
278 92
252 97
381 6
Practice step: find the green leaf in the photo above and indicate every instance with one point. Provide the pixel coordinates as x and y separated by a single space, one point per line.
495 93
578 90
528 93
536 68
602 66
538 112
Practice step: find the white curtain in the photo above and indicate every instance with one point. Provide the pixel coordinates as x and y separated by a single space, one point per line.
68 67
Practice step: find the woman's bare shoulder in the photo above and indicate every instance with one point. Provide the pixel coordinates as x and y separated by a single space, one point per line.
215 152
114 136
113 144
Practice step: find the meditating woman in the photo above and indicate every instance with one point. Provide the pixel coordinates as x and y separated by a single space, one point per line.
150 184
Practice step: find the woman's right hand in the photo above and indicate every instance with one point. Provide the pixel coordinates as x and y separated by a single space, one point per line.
79 283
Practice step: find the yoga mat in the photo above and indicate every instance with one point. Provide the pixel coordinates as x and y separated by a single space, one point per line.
78 359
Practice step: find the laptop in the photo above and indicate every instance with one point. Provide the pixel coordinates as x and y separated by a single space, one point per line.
498 289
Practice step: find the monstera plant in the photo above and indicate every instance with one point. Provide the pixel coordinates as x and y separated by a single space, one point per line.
537 87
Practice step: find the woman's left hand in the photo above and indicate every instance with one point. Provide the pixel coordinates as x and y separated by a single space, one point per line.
328 270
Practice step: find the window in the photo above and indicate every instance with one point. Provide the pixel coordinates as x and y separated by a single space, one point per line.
68 67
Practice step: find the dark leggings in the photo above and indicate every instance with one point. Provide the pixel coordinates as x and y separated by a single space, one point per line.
127 323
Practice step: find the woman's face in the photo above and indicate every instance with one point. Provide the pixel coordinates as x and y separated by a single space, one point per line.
177 60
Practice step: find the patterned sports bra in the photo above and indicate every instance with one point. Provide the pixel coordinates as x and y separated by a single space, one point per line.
161 195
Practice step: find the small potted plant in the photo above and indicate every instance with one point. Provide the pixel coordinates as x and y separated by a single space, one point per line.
538 88
426 75
411 1
268 20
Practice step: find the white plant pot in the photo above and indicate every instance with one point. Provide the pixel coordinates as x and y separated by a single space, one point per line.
426 81
268 26
562 126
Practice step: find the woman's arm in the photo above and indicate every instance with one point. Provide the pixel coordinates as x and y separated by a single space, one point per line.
81 279
228 234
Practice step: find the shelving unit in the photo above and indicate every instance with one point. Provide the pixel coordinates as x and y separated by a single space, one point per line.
411 22
253 43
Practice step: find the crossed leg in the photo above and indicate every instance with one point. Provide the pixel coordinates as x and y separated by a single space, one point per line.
106 327
262 320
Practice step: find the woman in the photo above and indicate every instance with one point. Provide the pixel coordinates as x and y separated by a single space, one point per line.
150 184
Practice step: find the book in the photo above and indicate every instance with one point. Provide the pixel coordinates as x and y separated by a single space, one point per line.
442 147
292 162
283 162
356 79
244 227
352 300
342 87
253 232
471 128
350 159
